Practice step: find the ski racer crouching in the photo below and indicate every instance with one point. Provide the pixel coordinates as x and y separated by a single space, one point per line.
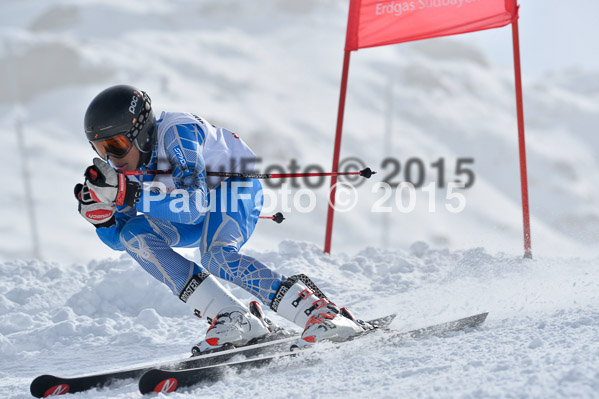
122 129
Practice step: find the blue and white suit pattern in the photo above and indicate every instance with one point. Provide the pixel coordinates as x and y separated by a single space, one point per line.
208 219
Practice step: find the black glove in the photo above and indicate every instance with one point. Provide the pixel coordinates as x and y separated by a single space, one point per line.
97 213
110 186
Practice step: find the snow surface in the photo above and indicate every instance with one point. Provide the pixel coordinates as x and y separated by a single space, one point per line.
271 73
540 339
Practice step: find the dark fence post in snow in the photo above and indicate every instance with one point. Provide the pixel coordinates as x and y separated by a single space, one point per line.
387 143
29 203
35 240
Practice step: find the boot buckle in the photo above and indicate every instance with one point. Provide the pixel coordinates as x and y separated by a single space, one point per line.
303 295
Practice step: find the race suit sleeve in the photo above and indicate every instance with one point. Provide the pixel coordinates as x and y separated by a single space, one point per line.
188 204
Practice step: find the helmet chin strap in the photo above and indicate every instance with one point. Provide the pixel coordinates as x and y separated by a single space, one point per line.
145 156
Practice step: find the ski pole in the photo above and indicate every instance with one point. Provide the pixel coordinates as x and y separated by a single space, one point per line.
277 217
367 173
148 172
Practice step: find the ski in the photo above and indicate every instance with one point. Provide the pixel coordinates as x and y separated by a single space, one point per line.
444 328
46 385
166 381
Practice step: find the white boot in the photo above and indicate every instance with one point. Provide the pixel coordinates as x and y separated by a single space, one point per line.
231 321
319 317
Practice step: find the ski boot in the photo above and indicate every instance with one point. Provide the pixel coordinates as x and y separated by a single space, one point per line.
300 301
231 323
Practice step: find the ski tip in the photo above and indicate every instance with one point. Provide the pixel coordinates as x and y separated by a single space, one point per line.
475 320
156 381
48 385
167 385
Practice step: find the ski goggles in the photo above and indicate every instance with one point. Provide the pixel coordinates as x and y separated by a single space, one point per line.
115 146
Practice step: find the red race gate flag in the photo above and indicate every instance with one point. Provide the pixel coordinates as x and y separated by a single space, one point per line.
380 22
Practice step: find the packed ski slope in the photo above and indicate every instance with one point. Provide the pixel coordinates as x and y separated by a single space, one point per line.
271 73
539 340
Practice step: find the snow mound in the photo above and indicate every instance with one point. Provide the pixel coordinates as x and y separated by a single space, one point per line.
537 341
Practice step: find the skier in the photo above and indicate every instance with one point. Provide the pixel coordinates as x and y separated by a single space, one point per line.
130 214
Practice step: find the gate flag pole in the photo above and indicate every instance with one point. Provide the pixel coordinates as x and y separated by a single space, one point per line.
337 150
373 23
521 141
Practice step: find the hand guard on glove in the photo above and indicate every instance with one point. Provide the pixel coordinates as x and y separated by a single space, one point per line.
110 186
99 214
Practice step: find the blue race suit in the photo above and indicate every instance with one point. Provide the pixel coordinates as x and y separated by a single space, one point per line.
216 216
